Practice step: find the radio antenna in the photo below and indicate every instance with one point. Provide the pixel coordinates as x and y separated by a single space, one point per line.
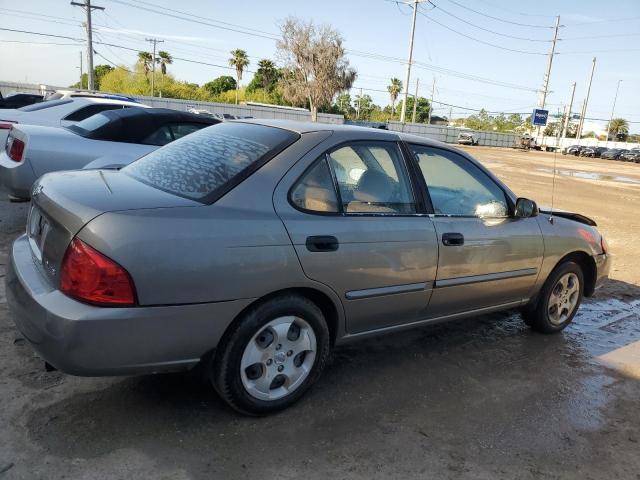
555 161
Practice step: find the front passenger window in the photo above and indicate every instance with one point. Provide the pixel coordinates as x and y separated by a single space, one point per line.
458 187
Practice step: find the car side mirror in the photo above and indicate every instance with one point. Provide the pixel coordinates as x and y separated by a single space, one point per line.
526 208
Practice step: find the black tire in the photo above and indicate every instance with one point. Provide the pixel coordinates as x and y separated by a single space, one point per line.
225 366
537 314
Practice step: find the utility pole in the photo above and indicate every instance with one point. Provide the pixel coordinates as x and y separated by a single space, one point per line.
407 78
547 75
358 105
88 8
81 69
450 112
415 102
433 89
568 117
153 62
583 112
613 110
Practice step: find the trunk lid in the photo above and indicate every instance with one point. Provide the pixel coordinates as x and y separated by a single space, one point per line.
64 202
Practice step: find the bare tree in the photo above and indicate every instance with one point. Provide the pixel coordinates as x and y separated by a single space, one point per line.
315 67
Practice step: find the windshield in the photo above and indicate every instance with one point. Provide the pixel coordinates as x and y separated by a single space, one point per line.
90 124
43 105
206 164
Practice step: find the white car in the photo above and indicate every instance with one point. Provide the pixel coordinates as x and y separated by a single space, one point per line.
468 138
61 112
109 139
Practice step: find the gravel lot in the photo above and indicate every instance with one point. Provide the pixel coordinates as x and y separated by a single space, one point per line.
478 398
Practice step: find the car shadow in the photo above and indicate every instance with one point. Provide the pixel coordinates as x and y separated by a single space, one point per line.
486 379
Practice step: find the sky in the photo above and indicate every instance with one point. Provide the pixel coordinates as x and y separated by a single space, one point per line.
481 53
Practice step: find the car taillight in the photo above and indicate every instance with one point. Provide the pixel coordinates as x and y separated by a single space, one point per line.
5 125
89 276
15 149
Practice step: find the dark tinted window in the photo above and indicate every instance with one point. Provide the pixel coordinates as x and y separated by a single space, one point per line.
90 124
160 137
315 191
206 163
179 130
89 110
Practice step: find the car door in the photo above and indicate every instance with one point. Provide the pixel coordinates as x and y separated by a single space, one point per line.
352 216
488 258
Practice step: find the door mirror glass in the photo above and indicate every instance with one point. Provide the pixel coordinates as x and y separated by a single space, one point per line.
526 208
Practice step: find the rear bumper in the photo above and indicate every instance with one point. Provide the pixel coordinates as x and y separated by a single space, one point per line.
86 340
17 177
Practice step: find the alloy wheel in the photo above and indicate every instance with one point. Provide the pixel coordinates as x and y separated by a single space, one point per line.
278 358
563 298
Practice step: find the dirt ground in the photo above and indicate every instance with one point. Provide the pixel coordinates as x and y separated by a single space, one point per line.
482 398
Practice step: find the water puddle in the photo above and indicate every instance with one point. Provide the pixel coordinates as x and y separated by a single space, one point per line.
592 176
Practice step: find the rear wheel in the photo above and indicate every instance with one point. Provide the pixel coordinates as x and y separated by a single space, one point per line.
275 354
559 299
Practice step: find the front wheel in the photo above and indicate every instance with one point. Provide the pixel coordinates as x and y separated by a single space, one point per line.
559 299
275 353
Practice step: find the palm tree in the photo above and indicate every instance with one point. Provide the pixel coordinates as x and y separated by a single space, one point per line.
239 59
164 59
618 125
267 69
146 60
394 90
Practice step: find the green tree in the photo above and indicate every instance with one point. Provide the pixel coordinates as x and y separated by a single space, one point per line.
422 109
315 65
239 60
99 71
220 85
481 121
363 105
618 125
145 59
343 105
394 88
164 59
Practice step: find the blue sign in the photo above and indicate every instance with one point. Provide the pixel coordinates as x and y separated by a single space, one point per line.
540 117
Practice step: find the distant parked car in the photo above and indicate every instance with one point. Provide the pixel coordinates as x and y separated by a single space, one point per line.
612 153
593 152
62 94
632 155
115 137
61 112
468 138
19 100
572 150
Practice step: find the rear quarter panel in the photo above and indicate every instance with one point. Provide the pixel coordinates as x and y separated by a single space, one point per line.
236 248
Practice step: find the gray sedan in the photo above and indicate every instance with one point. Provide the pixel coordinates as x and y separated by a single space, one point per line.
252 248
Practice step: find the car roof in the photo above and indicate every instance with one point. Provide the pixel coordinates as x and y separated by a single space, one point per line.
377 133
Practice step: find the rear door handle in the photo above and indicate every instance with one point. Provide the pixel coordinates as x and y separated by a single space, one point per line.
322 243
452 239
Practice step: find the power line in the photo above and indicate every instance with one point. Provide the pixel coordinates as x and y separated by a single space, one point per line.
515 12
486 29
602 21
477 39
195 20
589 37
498 18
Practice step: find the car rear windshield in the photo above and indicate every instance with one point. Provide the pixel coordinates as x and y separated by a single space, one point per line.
88 125
205 165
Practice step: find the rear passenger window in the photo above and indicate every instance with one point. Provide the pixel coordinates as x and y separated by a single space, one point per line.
160 137
372 178
179 130
315 191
